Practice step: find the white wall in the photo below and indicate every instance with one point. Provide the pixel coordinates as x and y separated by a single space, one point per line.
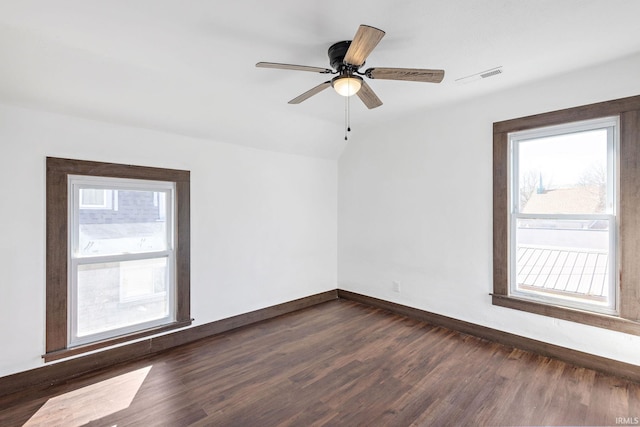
414 202
263 224
415 206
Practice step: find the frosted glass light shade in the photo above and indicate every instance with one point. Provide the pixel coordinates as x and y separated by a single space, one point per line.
347 86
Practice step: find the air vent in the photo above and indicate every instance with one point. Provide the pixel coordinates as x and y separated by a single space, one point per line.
481 75
491 73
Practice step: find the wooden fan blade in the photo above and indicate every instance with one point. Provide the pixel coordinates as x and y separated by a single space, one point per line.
308 94
365 40
409 74
368 97
293 67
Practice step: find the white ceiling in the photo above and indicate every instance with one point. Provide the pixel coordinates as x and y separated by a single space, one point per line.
188 66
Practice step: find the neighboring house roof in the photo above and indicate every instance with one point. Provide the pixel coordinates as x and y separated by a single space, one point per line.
581 199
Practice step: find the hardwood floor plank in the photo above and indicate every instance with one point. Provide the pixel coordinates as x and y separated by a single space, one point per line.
339 363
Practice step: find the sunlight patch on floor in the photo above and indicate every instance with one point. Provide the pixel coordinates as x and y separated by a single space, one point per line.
92 402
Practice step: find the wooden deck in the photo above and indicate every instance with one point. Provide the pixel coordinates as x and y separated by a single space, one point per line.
339 363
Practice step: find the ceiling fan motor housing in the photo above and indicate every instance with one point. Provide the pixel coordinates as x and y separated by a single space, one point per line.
337 52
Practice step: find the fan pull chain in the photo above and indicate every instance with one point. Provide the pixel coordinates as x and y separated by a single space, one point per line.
347 116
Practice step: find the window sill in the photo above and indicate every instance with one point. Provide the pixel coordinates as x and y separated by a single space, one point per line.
605 321
81 349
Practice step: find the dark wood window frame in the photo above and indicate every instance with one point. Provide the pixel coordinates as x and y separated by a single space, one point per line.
628 109
58 171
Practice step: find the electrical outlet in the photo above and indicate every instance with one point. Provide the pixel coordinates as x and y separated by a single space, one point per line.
396 286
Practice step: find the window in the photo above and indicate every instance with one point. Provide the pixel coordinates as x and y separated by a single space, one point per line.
97 198
563 215
566 232
120 262
117 254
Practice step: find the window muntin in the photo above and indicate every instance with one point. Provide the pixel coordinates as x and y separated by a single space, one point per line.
121 263
563 215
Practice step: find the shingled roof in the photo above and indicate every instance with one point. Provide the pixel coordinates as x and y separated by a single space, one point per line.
573 200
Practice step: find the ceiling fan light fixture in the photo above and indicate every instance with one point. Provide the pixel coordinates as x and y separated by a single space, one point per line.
347 85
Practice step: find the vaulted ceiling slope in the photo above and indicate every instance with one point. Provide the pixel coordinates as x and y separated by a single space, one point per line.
189 67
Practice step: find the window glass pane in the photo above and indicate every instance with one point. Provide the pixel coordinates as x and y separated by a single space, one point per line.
135 222
563 173
117 295
567 258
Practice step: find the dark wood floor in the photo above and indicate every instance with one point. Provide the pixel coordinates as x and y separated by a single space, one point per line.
339 363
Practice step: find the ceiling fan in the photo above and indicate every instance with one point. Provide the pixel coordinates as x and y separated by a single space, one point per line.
346 58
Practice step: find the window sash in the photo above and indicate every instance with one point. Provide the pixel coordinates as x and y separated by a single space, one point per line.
610 307
75 340
610 124
78 182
